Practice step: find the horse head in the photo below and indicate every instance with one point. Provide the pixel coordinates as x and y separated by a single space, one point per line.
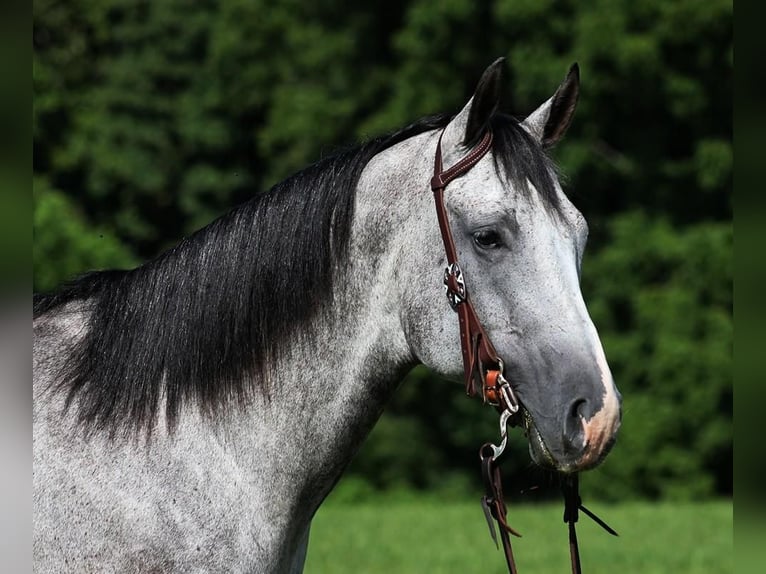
520 244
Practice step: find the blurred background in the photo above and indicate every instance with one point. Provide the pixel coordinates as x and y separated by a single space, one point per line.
153 118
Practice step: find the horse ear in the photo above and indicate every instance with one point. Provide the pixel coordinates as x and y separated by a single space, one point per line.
469 125
548 123
486 100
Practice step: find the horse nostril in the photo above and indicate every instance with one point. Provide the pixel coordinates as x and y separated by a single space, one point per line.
577 407
574 435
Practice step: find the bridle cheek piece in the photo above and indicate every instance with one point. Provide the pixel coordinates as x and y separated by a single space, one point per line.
483 372
483 368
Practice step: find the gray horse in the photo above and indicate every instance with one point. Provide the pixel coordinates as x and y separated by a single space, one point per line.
192 414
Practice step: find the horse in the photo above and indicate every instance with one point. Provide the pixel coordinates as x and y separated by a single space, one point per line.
191 414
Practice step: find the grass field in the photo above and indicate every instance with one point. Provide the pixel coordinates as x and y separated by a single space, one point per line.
433 537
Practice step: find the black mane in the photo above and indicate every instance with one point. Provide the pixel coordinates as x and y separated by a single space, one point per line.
199 321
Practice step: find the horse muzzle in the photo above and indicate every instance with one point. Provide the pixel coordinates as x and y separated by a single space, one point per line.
579 439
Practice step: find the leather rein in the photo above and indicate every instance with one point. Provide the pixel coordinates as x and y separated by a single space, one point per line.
483 373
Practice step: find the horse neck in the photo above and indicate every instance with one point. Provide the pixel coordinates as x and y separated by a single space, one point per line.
324 397
330 387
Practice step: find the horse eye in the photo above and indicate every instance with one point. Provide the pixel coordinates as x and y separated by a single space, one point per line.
487 239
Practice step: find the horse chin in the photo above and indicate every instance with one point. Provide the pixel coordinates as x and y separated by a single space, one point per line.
539 453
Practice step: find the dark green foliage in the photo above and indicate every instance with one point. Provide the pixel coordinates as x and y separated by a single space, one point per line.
151 118
663 300
64 245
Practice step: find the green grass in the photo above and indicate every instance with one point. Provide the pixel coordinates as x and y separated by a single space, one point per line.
433 537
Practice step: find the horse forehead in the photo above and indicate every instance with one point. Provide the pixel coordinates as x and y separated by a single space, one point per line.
483 194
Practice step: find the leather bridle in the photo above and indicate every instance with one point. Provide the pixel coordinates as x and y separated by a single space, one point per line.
483 368
483 371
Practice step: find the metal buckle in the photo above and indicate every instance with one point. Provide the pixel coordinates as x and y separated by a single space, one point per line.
512 403
503 390
511 407
453 271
